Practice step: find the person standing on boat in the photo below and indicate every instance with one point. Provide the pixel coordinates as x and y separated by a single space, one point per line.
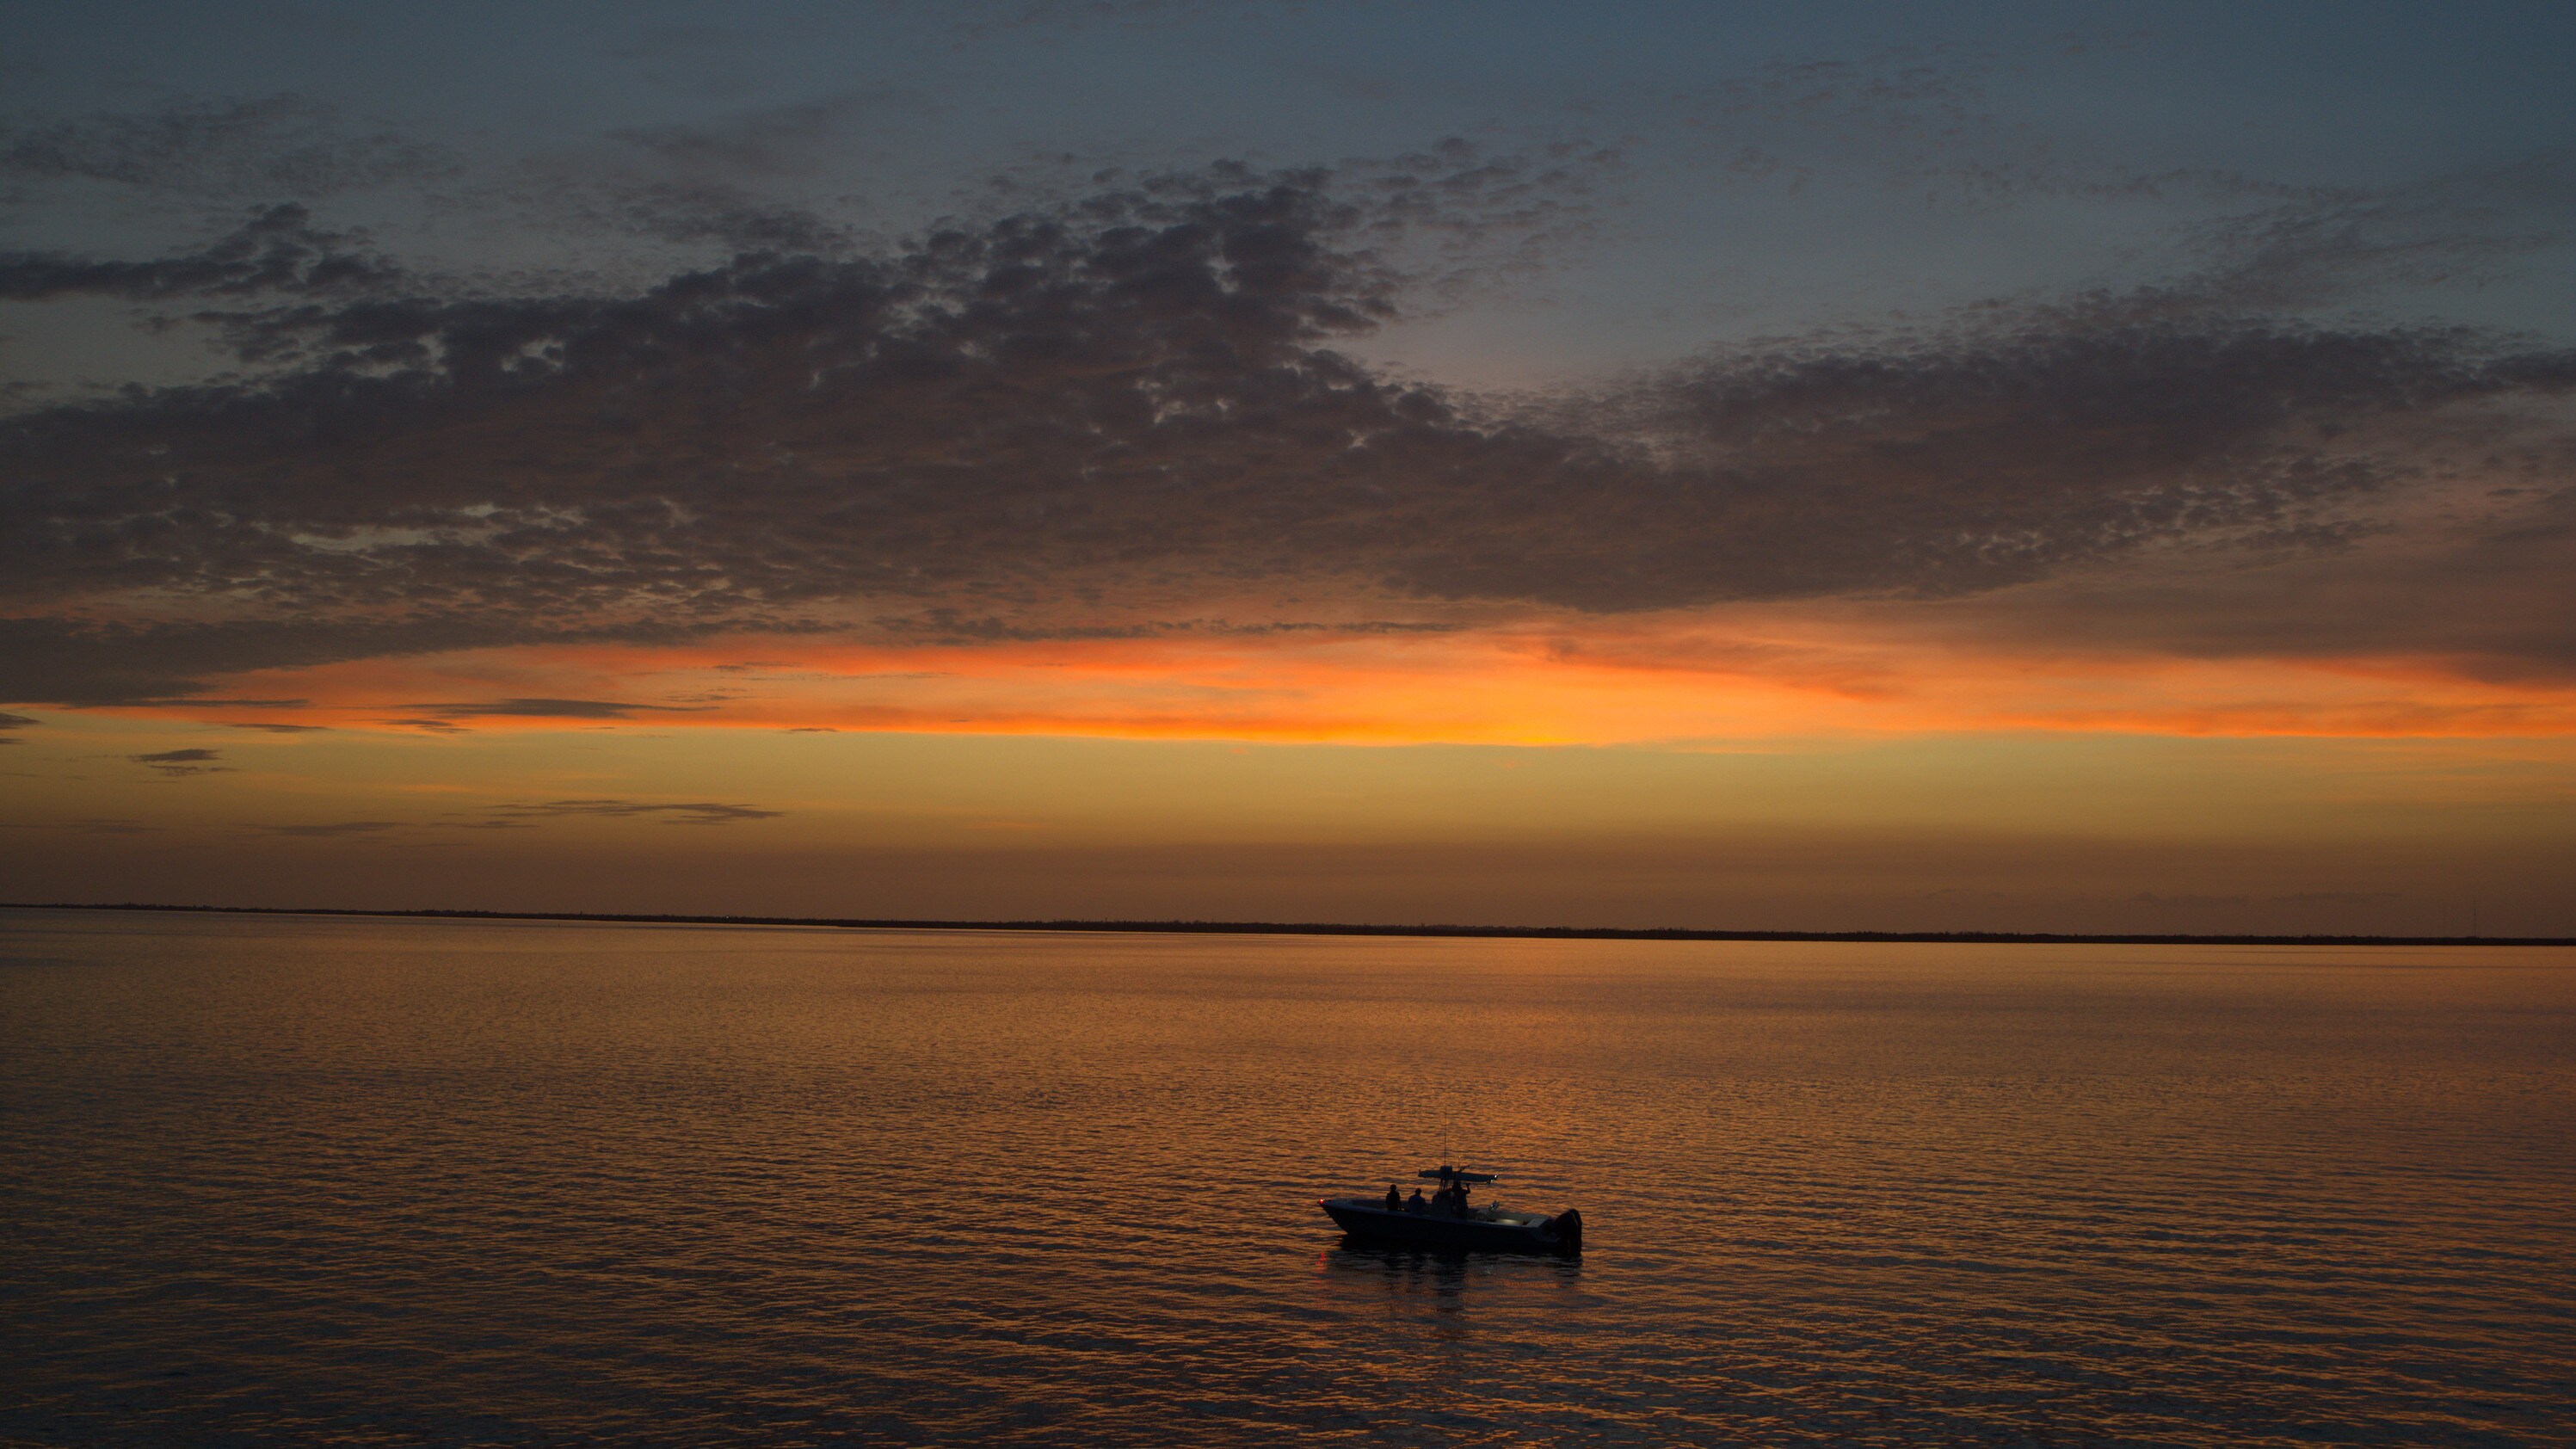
1417 1205
1394 1199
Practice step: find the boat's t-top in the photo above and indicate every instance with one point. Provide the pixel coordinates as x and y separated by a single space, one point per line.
1447 1174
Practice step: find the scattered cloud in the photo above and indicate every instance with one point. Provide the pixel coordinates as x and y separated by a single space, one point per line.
278 144
88 826
277 251
691 813
176 764
542 709
80 661
769 141
335 828
1111 412
2292 898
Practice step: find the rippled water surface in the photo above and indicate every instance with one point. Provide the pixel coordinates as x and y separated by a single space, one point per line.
340 1181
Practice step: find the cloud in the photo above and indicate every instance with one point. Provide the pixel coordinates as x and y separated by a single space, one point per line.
279 144
2310 250
335 829
92 826
1925 122
1928 123
706 211
277 251
741 180
177 764
2486 592
10 722
695 813
770 141
82 661
1128 411
542 709
2294 898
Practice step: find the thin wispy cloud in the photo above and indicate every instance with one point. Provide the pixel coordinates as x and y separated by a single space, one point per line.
671 813
544 709
179 764
90 825
276 252
282 143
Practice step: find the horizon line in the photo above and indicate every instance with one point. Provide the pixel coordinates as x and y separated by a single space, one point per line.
1326 928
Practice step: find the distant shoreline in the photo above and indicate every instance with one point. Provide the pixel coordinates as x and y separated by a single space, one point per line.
1314 928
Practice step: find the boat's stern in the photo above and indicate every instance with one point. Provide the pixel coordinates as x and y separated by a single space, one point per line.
1567 1228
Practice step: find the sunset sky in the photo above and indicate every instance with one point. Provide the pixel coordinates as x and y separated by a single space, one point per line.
1816 467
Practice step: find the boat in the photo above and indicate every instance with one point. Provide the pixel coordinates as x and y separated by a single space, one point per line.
1447 1220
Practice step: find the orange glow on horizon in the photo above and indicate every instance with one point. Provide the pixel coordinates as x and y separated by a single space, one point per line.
1640 681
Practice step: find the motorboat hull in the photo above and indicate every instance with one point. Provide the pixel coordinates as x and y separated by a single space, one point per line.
1363 1218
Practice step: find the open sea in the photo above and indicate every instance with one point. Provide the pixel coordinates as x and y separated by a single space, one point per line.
336 1181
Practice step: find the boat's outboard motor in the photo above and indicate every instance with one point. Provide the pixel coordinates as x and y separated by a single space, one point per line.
1568 1227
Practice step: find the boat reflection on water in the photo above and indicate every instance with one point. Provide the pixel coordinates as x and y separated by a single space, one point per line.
1435 1289
1440 1272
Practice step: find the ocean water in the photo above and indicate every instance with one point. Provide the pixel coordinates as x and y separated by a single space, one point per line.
332 1181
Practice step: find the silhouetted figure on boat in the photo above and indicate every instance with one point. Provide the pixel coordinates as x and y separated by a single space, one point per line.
1394 1199
1416 1204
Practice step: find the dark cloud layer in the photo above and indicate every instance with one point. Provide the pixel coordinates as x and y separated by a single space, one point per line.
1099 416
